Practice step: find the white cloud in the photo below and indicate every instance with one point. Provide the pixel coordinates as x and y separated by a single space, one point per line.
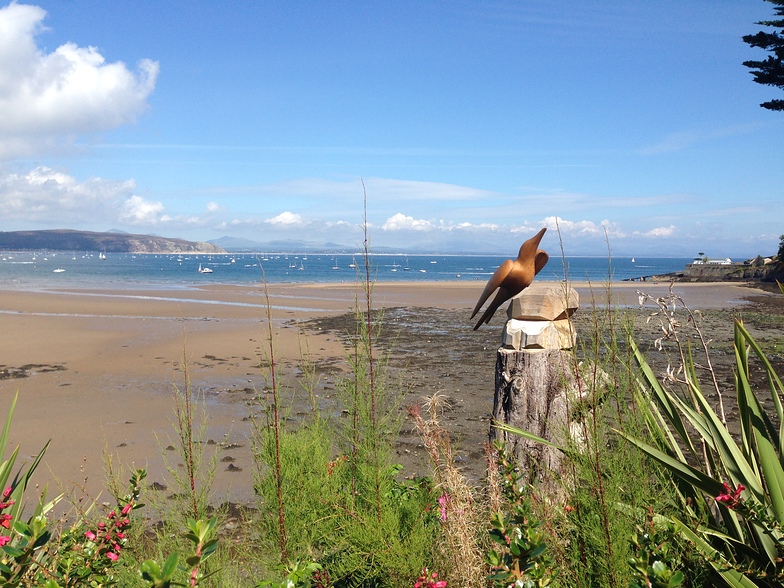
401 222
658 232
286 219
214 207
581 227
138 211
47 99
52 197
344 224
466 226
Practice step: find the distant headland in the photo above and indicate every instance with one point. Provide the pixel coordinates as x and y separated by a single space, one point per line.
110 242
758 269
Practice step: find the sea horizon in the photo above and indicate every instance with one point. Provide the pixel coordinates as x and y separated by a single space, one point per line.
60 269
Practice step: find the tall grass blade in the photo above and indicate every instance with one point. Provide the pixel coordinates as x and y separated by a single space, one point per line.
7 427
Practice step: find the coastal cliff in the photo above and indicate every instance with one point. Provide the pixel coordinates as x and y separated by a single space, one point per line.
69 240
736 272
753 270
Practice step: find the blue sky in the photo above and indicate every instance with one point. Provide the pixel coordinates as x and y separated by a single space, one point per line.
624 124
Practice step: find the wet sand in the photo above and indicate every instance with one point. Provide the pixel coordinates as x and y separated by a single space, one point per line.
95 369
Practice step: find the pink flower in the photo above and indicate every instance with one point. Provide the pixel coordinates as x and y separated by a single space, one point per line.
443 501
731 498
126 509
7 492
111 515
4 540
429 582
5 521
90 535
112 556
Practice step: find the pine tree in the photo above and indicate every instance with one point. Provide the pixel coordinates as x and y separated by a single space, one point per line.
770 71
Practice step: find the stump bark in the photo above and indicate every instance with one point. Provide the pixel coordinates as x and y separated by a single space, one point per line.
535 382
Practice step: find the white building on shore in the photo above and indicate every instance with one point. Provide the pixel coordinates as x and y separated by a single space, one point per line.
709 261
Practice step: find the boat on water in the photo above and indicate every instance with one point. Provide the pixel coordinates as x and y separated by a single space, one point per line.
101 255
59 270
204 270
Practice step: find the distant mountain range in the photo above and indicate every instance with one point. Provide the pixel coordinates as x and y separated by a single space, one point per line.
117 241
110 242
238 245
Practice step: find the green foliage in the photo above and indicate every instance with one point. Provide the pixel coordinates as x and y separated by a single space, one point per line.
201 535
654 556
384 536
308 483
738 529
770 71
366 552
523 559
329 491
297 575
159 576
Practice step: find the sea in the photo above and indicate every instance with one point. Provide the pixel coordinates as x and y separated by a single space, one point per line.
46 270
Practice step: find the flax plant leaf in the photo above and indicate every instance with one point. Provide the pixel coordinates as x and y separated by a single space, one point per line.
530 436
663 399
775 385
731 576
682 470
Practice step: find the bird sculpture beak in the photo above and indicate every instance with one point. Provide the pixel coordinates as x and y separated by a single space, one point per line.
528 249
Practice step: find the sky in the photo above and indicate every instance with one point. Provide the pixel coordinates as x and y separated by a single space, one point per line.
626 127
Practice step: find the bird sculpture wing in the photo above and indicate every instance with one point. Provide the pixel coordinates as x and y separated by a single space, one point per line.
503 295
512 277
540 261
493 283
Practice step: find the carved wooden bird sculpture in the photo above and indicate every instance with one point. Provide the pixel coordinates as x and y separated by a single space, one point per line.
512 277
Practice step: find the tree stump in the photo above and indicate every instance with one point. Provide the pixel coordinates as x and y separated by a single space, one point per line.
535 382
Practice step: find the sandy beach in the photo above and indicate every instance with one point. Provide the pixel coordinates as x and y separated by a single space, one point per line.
95 369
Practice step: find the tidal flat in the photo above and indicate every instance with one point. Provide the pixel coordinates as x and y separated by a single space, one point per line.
119 355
